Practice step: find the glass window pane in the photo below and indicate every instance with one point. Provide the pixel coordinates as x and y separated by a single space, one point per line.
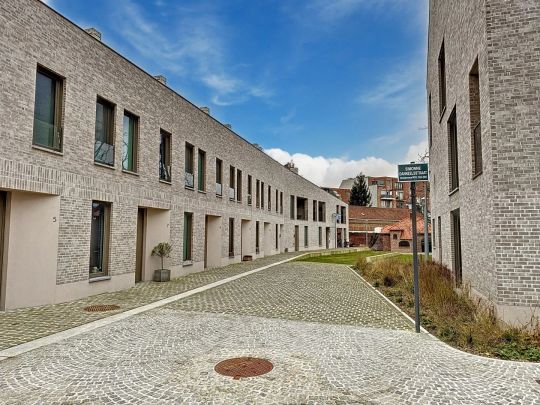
44 109
128 158
103 147
98 233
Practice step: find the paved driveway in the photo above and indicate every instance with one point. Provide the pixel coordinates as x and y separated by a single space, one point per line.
331 340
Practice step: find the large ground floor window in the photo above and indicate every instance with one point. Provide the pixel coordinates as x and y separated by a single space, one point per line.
99 238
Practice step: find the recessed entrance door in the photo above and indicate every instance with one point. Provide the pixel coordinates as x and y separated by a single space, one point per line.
327 237
141 226
456 244
3 200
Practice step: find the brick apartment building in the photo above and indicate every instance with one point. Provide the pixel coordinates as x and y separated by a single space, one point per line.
100 161
386 192
483 89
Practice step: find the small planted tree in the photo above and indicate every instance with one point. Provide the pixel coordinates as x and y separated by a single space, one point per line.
162 250
360 194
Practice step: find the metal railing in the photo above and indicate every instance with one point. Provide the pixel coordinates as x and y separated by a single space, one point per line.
190 180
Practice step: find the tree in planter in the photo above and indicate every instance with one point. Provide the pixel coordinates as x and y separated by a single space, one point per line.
360 194
162 250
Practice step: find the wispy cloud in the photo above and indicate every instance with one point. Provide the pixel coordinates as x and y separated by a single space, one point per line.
397 88
196 47
285 119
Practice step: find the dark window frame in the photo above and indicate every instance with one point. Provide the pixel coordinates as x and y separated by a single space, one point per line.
442 80
165 156
56 144
201 170
453 152
104 238
134 143
109 115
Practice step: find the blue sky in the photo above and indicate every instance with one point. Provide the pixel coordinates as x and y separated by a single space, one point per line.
335 85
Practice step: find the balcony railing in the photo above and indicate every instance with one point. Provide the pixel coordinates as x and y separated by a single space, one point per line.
190 180
387 196
164 172
249 199
219 189
232 194
104 153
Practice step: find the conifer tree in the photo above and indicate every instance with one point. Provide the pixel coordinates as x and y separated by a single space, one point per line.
360 194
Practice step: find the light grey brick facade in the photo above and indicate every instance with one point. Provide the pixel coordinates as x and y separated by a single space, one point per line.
32 34
499 209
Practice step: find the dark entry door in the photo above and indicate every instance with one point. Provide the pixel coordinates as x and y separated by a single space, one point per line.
141 218
456 241
3 200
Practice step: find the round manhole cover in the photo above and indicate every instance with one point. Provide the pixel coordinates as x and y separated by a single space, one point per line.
101 308
242 367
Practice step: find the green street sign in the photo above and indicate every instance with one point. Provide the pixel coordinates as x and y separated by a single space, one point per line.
413 172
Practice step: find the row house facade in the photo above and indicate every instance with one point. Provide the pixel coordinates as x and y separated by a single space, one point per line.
101 161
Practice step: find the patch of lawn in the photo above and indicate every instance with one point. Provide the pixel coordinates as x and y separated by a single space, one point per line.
405 258
342 258
453 316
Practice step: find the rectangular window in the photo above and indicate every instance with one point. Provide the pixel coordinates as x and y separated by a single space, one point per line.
476 127
434 233
239 185
277 201
302 210
188 166
320 235
165 156
249 186
430 125
343 215
257 249
453 151
219 177
231 237
440 238
48 107
281 202
232 179
306 236
314 213
322 211
104 137
277 236
188 236
99 238
201 170
257 190
130 142
262 195
269 198
442 81
293 203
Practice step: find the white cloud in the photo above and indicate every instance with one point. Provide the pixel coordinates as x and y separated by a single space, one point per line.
329 171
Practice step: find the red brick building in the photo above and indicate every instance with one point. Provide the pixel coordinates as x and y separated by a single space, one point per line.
366 221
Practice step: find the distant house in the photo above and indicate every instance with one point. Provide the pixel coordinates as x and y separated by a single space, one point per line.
367 221
398 237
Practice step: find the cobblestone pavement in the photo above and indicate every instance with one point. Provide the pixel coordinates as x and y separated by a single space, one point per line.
301 291
168 355
24 325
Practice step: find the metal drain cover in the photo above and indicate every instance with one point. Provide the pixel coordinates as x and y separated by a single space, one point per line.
242 367
101 308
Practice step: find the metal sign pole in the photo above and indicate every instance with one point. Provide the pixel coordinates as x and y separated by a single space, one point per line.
415 260
426 224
